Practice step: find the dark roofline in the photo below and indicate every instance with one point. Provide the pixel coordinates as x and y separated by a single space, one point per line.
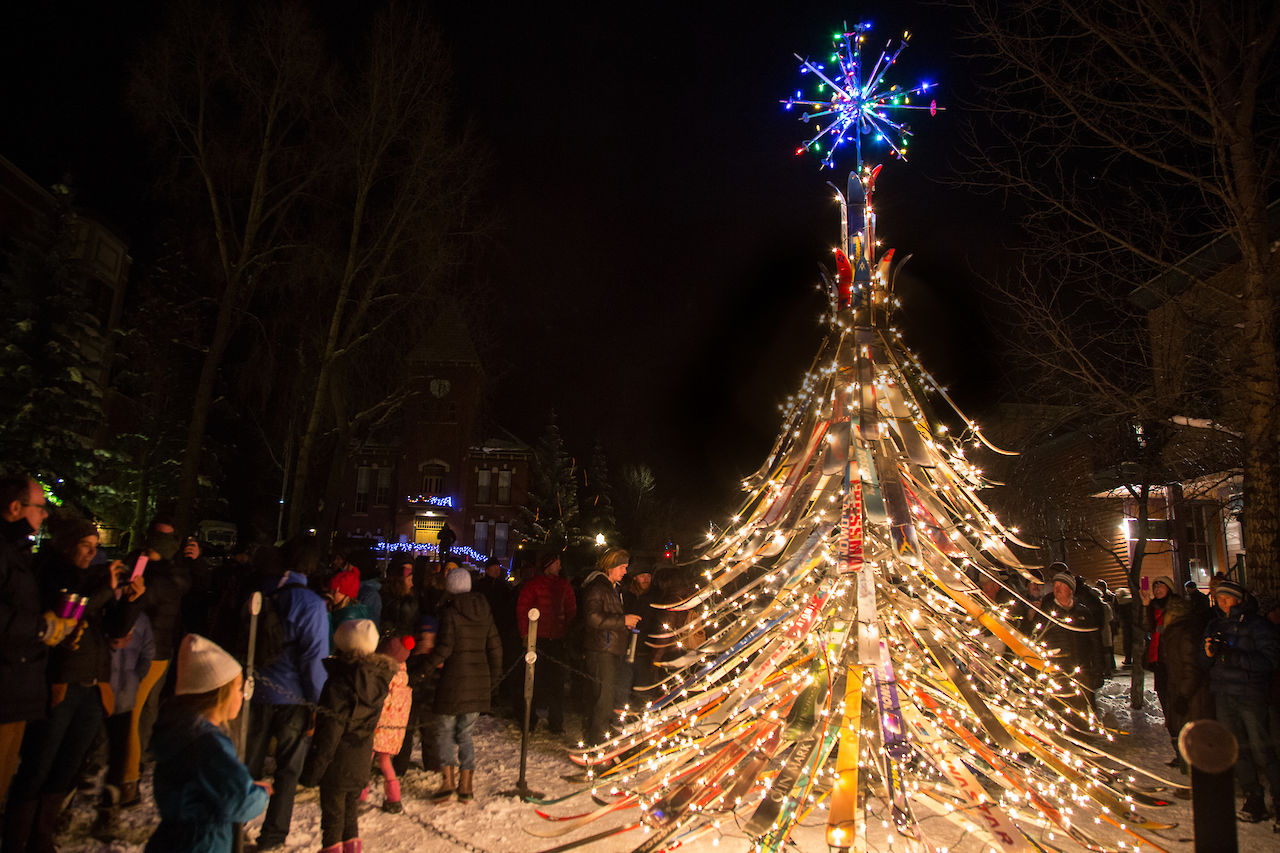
1205 262
447 341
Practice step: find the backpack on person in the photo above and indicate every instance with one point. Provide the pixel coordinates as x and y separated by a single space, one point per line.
272 639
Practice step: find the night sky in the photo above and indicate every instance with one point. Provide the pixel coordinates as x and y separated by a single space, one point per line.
652 272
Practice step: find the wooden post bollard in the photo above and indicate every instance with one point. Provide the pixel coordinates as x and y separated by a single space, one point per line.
1211 750
522 789
242 730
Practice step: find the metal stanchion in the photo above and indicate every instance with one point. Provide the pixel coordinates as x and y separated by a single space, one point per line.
1211 750
530 659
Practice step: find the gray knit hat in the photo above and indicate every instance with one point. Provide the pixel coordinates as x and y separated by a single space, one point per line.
1067 578
457 581
203 666
356 635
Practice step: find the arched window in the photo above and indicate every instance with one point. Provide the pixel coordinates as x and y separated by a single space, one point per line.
433 479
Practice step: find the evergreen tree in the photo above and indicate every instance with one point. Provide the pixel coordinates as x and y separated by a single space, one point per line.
639 510
597 499
551 518
50 367
158 365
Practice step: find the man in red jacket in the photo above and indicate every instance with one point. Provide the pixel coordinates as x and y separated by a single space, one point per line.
553 597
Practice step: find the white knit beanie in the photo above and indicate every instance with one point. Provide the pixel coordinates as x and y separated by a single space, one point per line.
457 581
356 635
203 666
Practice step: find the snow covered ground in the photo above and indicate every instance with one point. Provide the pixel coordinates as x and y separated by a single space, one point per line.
495 823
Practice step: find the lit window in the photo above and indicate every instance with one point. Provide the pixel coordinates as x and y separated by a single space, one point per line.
482 537
504 487
382 495
482 486
500 539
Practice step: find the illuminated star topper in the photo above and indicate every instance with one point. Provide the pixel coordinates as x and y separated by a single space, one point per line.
852 105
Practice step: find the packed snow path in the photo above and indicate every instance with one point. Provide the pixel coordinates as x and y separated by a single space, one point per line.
492 824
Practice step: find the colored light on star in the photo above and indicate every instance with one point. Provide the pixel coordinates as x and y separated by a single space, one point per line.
856 101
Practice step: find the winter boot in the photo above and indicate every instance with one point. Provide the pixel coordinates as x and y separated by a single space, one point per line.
447 785
353 845
391 805
465 792
107 824
129 796
1254 810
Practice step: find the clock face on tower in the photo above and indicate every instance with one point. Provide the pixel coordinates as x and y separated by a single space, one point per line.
439 387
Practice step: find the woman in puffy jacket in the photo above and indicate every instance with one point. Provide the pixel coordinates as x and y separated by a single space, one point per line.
1186 696
468 653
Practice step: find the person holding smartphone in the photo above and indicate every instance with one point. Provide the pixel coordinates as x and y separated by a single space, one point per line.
79 676
167 582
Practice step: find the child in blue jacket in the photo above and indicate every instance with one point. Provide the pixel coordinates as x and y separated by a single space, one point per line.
201 787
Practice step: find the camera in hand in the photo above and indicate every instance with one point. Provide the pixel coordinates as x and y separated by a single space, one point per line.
1219 643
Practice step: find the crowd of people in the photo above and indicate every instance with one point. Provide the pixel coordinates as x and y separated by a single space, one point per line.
357 663
354 664
1211 656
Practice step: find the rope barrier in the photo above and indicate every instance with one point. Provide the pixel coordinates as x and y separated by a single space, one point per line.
448 836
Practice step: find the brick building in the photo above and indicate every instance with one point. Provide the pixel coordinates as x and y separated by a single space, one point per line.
439 463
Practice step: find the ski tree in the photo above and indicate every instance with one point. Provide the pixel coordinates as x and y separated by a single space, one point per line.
840 611
551 517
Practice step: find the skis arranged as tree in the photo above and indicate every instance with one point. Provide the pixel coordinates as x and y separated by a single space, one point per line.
844 647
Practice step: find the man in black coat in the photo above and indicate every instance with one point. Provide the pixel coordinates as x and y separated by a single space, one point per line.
1073 635
1201 607
168 580
25 628
607 635
501 595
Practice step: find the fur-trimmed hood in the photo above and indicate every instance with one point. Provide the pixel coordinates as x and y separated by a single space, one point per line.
368 673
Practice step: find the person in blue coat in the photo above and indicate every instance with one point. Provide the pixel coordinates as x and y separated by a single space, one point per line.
288 688
201 787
